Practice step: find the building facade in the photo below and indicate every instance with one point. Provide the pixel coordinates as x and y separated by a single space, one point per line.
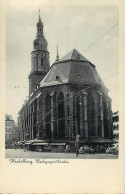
11 131
65 100
116 126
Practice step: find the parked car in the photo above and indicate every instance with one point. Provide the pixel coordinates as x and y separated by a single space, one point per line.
92 150
81 150
84 149
68 149
113 150
109 150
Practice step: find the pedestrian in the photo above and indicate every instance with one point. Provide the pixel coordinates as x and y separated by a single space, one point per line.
77 151
24 148
77 145
77 140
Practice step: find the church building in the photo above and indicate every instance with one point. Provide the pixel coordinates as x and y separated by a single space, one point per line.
66 99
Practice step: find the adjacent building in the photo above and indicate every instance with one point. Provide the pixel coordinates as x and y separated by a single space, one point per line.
11 131
116 126
67 99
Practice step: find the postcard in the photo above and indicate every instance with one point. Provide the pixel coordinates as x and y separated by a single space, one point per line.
62 96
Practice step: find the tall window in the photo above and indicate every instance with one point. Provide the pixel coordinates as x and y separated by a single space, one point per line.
41 61
9 136
77 119
61 116
48 116
90 108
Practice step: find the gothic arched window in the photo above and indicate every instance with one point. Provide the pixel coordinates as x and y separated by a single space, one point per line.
48 115
61 116
90 112
77 106
41 61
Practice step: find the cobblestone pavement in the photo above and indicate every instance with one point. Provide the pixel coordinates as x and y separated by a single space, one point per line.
19 153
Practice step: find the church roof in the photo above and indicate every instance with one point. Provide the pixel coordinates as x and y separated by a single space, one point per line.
8 118
74 54
72 69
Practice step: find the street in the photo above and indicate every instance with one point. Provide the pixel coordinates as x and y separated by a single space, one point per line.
19 153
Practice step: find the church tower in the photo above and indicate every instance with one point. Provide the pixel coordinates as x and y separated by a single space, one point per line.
39 58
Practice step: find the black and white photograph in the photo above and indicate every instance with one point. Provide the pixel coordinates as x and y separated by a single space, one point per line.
62 96
62 82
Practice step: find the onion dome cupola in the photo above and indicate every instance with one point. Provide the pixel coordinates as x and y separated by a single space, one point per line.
40 43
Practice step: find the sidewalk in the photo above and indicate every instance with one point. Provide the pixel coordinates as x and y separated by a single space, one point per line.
19 153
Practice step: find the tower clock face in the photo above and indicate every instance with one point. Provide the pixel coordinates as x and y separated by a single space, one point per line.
42 54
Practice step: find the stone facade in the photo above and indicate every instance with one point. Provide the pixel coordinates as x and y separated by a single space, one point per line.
65 100
116 126
63 112
11 131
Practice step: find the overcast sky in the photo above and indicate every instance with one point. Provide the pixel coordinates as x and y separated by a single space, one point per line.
68 27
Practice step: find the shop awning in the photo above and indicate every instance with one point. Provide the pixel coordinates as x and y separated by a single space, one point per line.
19 143
40 144
57 144
31 141
74 141
28 143
99 140
109 141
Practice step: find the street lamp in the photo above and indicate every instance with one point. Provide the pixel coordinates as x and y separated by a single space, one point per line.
77 144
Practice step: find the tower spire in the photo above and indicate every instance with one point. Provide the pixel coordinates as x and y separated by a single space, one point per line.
57 56
39 15
39 27
39 24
